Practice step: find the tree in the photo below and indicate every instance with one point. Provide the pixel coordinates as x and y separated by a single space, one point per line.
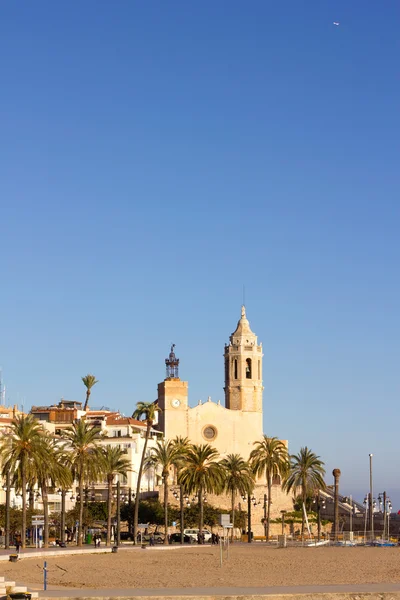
182 444
21 449
146 412
50 469
306 473
270 459
202 473
238 479
164 455
113 462
88 381
84 459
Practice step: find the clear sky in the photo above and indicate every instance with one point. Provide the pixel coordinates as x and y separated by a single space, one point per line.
157 156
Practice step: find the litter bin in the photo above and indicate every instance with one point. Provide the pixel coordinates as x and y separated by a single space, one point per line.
89 538
13 557
282 541
114 549
20 596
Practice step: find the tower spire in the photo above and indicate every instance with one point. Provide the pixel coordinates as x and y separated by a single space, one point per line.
172 365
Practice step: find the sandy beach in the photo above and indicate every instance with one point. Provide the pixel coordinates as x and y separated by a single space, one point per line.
253 565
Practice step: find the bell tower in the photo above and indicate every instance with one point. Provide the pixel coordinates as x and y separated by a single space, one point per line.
172 399
243 369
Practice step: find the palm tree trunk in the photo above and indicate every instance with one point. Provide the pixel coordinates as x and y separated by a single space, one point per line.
87 399
233 512
45 500
136 512
23 491
166 508
269 486
182 523
80 524
201 515
109 509
304 498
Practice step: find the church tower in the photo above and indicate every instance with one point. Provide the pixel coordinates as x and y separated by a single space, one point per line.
173 400
243 369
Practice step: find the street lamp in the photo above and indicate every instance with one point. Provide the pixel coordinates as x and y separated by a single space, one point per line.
371 508
321 503
7 489
386 505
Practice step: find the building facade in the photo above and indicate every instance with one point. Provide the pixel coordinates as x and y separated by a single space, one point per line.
231 428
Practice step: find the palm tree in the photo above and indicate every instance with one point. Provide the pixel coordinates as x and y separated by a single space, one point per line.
182 444
238 478
114 462
202 473
88 381
50 469
146 412
21 450
306 472
164 455
270 459
83 455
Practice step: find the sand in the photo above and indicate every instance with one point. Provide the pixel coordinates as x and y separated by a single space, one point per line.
253 565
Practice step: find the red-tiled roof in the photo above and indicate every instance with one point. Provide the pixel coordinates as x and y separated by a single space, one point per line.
120 420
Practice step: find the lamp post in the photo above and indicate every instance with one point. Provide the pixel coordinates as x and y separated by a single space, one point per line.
249 519
386 505
371 508
320 504
117 541
7 489
283 512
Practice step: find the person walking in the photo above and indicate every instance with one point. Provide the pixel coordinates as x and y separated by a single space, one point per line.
18 542
152 539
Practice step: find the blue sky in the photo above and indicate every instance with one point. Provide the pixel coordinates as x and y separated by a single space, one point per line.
157 156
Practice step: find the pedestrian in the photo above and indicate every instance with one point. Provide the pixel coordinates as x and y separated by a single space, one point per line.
95 540
152 539
213 539
18 541
217 538
98 540
198 538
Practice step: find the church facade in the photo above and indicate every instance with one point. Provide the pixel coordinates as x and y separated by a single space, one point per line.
231 428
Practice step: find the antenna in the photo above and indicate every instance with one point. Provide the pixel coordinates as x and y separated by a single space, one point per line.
244 295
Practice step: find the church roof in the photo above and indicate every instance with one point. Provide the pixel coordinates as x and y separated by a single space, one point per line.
243 326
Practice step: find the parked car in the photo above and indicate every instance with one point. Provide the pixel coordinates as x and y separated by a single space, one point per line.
126 535
194 532
175 538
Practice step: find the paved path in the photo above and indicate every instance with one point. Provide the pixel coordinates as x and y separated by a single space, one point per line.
224 592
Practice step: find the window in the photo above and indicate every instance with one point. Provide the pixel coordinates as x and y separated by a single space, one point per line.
248 368
259 369
209 432
235 368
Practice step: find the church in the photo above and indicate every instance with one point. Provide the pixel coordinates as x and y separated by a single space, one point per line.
231 428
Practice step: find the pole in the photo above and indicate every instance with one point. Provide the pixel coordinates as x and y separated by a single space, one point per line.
45 576
351 517
220 552
388 521
118 513
249 519
384 515
62 536
336 474
130 510
8 494
371 508
265 517
181 514
319 515
283 521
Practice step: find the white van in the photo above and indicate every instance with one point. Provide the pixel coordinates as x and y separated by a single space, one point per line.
194 532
